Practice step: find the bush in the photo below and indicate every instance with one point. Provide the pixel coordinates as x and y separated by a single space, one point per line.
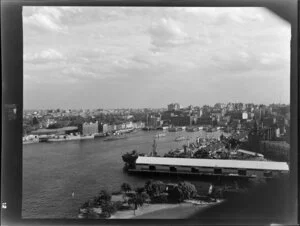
109 208
175 195
140 190
103 197
85 205
118 205
154 188
184 190
188 190
161 198
126 187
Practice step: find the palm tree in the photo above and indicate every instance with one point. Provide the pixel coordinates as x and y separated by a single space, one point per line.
138 199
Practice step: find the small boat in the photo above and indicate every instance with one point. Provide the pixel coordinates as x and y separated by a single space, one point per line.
180 138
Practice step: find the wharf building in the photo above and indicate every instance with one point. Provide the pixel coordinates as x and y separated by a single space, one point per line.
204 120
90 128
212 167
154 122
60 131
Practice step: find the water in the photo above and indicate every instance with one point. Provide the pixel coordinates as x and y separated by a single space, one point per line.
52 171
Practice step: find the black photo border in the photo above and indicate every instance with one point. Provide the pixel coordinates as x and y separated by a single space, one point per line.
12 96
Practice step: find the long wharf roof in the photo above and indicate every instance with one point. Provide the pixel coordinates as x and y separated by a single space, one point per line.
213 163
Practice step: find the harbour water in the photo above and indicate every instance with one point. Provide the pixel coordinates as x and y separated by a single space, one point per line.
53 171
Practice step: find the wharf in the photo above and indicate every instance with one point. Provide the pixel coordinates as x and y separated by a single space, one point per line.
188 174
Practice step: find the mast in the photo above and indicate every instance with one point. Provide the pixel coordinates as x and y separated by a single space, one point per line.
154 146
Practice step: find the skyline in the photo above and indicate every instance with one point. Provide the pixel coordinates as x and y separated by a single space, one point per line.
135 57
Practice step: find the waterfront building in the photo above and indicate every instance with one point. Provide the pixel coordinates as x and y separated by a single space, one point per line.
209 166
105 128
129 125
154 122
204 120
181 120
61 131
90 128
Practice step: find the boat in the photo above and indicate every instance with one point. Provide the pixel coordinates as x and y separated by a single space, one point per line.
180 138
112 138
98 135
69 138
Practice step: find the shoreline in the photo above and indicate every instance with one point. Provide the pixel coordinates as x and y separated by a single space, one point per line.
163 211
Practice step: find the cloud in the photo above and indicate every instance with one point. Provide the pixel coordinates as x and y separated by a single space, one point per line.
45 56
166 32
45 19
244 61
49 18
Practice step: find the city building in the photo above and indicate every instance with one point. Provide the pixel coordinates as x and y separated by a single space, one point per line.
90 128
245 115
181 120
174 107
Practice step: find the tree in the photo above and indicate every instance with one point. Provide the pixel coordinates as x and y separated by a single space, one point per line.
154 188
108 208
176 194
184 190
103 197
138 200
126 187
189 190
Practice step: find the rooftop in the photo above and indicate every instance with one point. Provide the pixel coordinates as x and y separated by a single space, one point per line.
214 163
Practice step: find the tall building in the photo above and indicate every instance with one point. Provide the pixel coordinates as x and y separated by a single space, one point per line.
174 107
90 128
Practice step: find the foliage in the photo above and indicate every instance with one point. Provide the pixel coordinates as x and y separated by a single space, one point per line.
154 188
86 204
108 208
161 198
35 121
184 190
138 199
126 187
188 190
140 190
103 197
118 205
175 194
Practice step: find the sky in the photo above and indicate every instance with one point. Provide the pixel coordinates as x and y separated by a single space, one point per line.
137 57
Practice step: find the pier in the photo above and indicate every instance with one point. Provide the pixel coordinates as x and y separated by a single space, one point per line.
208 167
